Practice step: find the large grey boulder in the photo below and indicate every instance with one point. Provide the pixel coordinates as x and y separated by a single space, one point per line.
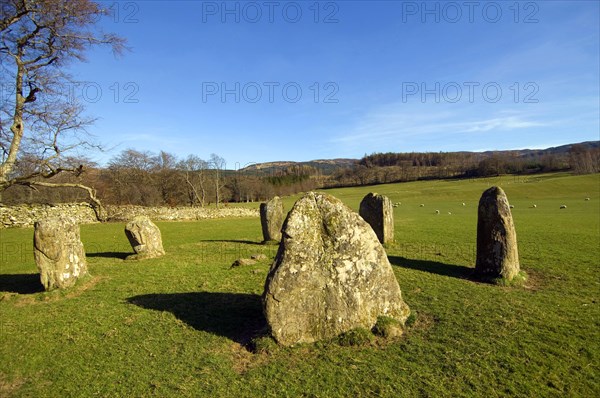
59 253
497 254
330 275
271 219
378 211
145 239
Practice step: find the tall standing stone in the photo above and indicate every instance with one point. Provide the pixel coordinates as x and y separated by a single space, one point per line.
378 211
497 254
271 219
330 275
59 253
145 239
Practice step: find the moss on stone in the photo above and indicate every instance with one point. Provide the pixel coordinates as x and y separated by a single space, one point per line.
387 327
356 337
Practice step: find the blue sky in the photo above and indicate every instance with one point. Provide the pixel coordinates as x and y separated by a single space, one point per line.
266 81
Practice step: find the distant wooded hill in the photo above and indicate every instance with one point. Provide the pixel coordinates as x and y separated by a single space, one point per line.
324 166
331 166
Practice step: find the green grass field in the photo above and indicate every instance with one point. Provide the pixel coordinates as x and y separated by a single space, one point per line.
180 325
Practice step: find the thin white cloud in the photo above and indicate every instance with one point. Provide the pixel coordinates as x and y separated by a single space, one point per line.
381 127
502 123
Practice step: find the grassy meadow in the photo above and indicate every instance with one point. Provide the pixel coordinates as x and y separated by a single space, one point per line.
181 325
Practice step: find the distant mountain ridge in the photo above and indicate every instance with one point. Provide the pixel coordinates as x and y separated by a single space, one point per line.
328 166
562 149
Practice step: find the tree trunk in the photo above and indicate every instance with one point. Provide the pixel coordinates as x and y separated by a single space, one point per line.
17 130
217 188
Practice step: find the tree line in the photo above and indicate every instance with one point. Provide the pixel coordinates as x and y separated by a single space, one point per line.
162 179
145 178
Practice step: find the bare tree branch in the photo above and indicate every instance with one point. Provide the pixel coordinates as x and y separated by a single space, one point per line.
96 204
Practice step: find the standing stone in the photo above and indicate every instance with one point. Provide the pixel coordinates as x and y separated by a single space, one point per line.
378 211
271 219
497 254
331 275
58 252
145 239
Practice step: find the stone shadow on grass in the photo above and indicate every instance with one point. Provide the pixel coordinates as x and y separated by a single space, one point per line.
236 316
119 255
434 267
21 283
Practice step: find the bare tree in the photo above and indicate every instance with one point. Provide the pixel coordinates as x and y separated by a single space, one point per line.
41 122
584 160
168 177
194 172
218 164
133 180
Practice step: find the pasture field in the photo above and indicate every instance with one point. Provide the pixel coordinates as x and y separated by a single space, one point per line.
181 325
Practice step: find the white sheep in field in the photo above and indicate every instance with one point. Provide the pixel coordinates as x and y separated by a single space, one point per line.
464 204
422 205
563 206
534 206
437 212
587 198
512 206
449 213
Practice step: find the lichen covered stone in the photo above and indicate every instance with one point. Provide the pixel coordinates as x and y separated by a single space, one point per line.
378 211
271 219
59 253
497 253
145 238
331 275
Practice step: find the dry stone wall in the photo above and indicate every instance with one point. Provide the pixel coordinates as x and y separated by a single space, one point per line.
27 215
82 213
